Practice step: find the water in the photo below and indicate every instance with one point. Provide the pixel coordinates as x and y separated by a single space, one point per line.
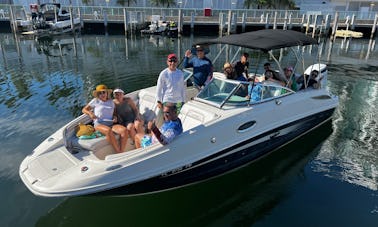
327 178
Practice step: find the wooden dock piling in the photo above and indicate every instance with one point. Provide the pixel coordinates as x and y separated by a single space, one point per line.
373 29
334 28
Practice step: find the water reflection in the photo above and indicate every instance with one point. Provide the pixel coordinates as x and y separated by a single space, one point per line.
254 191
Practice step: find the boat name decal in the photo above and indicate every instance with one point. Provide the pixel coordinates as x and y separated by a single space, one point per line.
174 171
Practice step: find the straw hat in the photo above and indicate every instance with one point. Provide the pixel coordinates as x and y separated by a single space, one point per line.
99 88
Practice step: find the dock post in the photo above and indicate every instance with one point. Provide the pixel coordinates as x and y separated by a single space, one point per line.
81 18
315 26
327 24
243 22
285 22
229 22
221 23
192 22
13 20
334 28
106 20
72 19
275 20
374 26
352 25
179 23
290 24
267 21
307 24
125 20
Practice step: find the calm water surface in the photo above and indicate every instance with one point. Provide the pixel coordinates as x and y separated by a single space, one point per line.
327 178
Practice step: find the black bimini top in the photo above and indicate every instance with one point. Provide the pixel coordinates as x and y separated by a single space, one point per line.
264 40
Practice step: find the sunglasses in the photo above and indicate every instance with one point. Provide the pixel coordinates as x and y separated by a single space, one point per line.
101 92
172 60
167 113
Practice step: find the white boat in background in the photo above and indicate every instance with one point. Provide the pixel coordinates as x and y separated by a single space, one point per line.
348 34
50 19
223 130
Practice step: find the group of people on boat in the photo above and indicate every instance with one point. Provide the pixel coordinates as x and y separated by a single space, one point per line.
121 115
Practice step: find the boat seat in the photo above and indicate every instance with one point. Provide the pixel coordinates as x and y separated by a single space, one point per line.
92 144
192 116
147 105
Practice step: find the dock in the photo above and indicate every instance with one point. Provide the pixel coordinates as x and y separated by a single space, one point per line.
133 19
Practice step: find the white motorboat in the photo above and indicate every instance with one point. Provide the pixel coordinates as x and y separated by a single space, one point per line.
223 130
51 19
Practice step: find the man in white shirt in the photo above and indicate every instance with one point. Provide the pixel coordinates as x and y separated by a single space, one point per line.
171 85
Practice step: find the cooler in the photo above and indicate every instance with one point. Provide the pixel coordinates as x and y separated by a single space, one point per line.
207 12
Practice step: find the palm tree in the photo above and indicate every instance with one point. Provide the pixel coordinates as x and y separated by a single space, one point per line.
269 4
123 2
167 3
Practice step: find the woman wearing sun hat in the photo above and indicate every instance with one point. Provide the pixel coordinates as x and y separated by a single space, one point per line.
101 110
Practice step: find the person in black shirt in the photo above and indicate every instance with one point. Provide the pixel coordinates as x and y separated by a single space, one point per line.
241 67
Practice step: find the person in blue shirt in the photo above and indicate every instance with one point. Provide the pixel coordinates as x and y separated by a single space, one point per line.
202 66
171 128
254 90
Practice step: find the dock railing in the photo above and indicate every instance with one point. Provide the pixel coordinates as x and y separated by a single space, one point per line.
140 15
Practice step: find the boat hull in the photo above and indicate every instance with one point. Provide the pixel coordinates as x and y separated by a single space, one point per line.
225 160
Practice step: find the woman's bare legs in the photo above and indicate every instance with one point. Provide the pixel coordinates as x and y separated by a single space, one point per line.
108 132
131 130
122 131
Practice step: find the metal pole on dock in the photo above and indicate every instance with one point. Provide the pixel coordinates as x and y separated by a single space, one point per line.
334 28
327 24
72 20
192 22
221 23
243 22
352 25
307 24
315 25
285 22
267 21
275 20
229 22
125 20
179 22
374 26
106 20
13 20
81 18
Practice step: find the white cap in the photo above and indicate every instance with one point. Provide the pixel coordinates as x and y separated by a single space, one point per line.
118 90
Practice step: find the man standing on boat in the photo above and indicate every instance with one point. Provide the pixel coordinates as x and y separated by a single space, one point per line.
170 87
202 66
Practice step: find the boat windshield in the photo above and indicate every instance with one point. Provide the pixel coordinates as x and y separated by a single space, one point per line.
220 92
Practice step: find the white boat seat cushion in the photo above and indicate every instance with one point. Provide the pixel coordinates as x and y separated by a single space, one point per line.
93 144
191 116
147 105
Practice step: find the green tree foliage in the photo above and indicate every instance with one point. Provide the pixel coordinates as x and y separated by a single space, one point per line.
163 3
269 4
123 2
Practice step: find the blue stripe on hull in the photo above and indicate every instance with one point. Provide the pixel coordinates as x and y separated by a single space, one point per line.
227 159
